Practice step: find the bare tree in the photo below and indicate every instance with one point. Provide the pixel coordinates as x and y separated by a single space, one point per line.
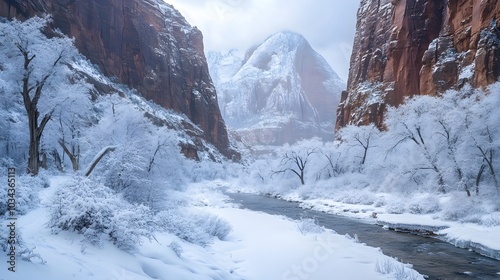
333 168
361 137
31 93
157 152
296 163
487 153
415 135
451 145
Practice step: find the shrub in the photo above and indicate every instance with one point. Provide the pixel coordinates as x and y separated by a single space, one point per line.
309 225
194 227
396 269
463 209
395 207
176 247
93 210
424 205
491 220
27 189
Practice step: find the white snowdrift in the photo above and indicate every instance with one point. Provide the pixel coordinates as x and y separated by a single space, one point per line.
260 247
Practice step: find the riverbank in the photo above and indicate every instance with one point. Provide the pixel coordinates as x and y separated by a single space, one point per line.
260 246
481 235
481 239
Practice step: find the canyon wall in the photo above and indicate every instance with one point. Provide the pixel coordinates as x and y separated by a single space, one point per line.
404 48
144 44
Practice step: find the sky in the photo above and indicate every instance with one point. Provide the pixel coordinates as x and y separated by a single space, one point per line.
328 25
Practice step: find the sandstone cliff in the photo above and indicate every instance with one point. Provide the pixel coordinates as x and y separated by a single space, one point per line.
145 44
404 48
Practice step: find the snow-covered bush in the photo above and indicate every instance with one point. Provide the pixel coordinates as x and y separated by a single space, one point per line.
23 251
176 247
395 207
26 196
94 210
309 225
491 220
357 197
396 269
463 209
424 205
194 227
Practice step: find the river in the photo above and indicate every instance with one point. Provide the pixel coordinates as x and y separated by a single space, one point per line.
429 256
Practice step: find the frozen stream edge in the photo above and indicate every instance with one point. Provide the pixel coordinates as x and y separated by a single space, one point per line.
433 231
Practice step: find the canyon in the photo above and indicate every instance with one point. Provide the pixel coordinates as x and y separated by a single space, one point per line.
146 45
404 48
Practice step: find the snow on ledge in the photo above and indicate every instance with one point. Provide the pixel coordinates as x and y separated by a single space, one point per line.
411 222
481 239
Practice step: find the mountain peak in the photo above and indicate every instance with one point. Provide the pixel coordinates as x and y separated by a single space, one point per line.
280 91
290 36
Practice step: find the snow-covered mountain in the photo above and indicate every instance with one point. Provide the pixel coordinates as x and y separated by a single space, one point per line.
277 92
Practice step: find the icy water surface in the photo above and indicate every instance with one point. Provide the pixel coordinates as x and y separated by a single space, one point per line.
429 256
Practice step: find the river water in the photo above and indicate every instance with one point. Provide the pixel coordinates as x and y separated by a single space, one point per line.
429 256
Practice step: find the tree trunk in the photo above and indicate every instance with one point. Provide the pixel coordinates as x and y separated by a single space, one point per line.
72 157
478 177
57 160
33 161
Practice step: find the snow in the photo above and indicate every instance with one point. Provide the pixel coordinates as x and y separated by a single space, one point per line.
467 72
261 246
412 221
480 238
264 88
67 257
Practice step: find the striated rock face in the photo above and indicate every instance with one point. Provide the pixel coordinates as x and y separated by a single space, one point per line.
145 44
404 48
277 92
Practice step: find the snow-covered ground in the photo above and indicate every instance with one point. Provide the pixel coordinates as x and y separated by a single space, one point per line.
264 246
261 246
480 238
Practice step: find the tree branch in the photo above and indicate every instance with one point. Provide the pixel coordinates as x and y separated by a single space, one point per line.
98 158
43 123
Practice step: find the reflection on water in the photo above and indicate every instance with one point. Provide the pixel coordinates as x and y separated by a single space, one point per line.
429 256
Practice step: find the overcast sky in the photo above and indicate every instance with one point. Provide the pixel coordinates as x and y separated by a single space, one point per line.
328 25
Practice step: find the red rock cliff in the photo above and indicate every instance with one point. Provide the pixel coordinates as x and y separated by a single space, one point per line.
404 48
145 44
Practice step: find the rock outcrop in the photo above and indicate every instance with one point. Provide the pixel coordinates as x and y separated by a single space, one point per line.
279 91
146 45
404 48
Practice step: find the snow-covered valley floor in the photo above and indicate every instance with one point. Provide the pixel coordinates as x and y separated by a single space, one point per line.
260 247
480 238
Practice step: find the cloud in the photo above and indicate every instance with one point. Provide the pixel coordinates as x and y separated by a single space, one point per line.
328 25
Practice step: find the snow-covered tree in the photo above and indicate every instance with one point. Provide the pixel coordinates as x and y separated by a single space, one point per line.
297 158
414 122
37 65
359 140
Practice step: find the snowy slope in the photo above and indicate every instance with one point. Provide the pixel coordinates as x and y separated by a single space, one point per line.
260 247
68 256
278 92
